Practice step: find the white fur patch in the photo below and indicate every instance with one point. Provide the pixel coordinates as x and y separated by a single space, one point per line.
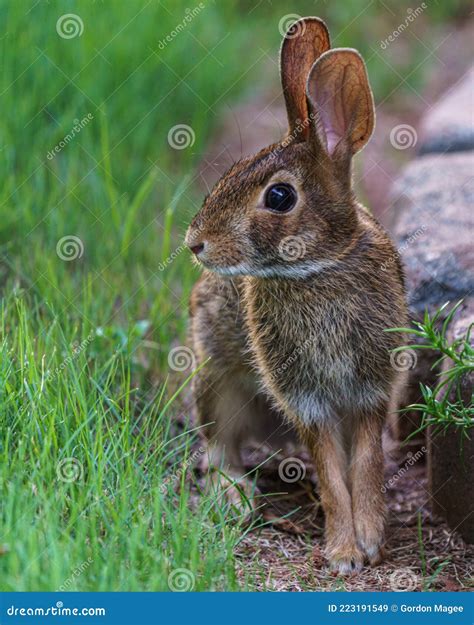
296 271
309 409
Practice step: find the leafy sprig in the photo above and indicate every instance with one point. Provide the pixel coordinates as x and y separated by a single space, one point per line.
443 405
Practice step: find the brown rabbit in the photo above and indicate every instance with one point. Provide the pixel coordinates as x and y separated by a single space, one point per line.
298 288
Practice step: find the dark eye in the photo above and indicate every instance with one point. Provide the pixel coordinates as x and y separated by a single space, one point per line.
280 197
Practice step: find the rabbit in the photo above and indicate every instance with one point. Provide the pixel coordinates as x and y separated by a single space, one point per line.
299 283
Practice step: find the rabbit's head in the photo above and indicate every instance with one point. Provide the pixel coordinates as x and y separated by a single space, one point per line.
289 210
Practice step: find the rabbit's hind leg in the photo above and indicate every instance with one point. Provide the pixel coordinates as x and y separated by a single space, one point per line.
226 408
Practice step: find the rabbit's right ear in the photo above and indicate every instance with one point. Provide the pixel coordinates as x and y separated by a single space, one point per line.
302 45
340 97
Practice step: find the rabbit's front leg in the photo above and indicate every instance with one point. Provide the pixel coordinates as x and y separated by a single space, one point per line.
330 458
366 477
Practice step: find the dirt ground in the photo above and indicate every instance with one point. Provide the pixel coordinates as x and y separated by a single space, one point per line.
290 549
282 549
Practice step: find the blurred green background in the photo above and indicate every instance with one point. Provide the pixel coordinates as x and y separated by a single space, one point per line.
127 195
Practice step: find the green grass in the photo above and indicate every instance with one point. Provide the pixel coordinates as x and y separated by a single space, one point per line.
84 343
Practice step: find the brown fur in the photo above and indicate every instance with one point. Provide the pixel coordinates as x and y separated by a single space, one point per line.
301 340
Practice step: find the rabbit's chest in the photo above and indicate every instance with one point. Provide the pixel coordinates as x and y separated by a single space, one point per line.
310 375
310 360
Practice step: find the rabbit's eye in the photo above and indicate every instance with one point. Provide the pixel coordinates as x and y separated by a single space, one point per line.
280 197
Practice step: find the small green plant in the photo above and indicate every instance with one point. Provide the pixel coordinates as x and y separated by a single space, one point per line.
436 563
443 405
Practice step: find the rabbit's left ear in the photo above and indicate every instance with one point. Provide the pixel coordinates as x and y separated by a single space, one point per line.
302 45
340 97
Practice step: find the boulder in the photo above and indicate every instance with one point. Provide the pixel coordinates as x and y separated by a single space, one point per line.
434 231
448 127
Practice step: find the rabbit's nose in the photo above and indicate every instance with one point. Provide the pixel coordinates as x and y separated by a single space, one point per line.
197 249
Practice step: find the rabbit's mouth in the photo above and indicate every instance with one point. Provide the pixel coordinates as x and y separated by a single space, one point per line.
206 255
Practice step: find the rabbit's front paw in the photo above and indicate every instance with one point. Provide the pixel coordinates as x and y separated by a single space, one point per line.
345 560
370 535
239 492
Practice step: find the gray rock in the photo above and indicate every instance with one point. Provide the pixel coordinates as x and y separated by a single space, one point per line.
434 228
448 127
450 140
434 234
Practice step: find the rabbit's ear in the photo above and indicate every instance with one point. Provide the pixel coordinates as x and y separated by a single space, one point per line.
304 42
340 97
